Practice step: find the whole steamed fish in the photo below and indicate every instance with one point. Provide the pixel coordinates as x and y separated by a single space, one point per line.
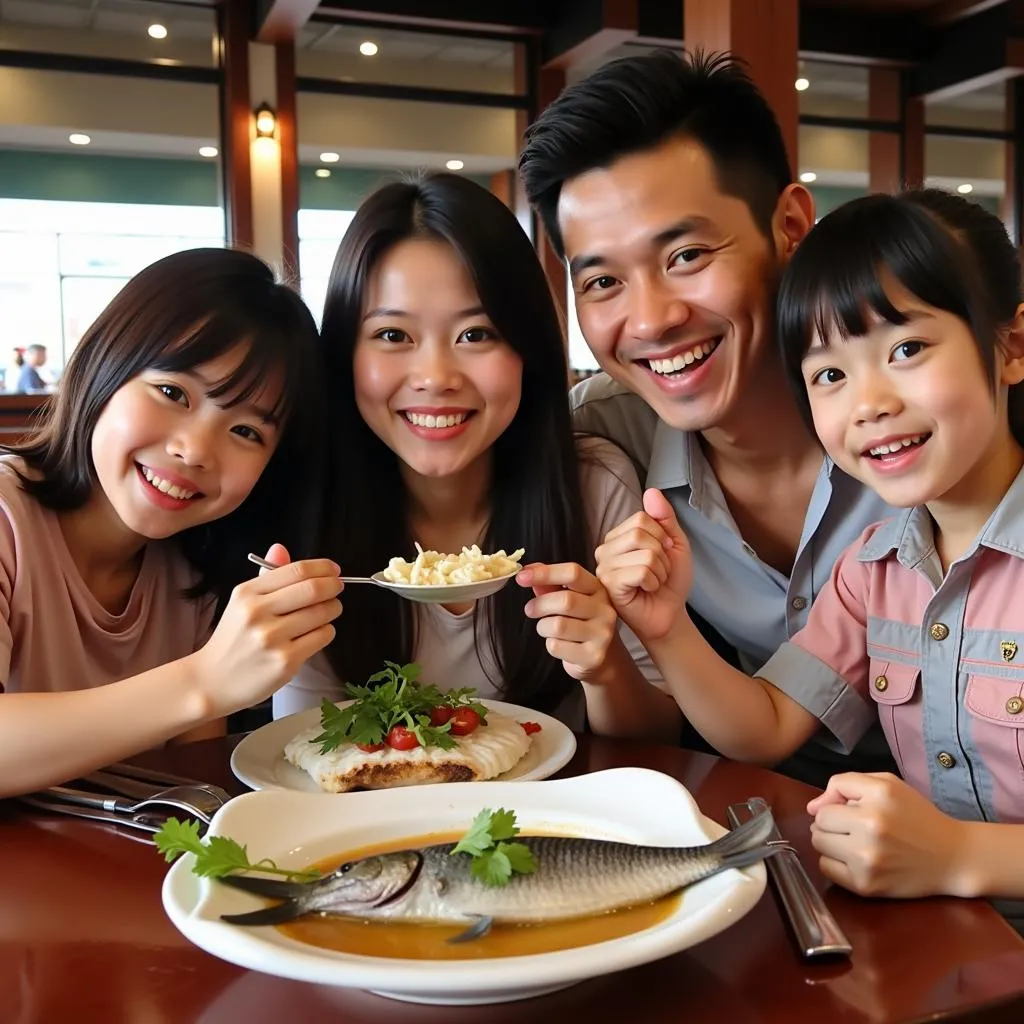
574 878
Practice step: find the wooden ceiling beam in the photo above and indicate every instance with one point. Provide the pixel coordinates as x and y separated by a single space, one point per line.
280 20
519 17
588 29
946 12
971 54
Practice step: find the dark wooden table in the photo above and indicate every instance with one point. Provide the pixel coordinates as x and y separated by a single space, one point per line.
83 937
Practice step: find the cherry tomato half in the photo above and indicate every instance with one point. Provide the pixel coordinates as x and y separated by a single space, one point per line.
530 727
371 748
464 721
440 715
400 738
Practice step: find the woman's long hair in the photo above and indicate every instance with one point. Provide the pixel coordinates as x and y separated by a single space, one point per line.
536 501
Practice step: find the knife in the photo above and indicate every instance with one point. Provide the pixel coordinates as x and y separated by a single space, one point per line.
816 931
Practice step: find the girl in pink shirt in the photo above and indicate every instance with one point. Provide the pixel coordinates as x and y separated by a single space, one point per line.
183 437
902 326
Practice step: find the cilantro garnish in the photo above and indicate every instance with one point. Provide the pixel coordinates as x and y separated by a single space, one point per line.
391 697
495 859
216 856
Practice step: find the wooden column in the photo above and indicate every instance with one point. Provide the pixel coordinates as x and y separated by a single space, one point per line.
525 65
546 84
764 35
895 160
288 139
550 82
1012 209
235 119
503 185
885 103
913 140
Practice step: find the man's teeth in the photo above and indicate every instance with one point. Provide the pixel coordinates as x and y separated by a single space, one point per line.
897 446
166 486
684 359
419 419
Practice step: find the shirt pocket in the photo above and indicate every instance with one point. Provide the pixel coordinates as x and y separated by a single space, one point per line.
892 682
998 702
893 686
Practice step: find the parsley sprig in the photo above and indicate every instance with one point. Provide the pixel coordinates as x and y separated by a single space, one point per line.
216 856
391 697
494 858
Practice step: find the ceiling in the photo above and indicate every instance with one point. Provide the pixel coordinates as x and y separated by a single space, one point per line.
117 17
406 45
118 28
887 6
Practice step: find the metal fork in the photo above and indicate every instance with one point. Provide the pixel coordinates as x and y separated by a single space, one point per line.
816 931
124 772
196 803
140 782
147 824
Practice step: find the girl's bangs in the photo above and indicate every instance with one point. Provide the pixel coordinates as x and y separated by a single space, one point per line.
261 352
841 276
845 297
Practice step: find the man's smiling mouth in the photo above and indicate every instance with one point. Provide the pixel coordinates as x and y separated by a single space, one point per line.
681 362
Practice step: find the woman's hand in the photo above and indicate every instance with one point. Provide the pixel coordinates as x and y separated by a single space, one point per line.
573 615
272 624
645 566
879 837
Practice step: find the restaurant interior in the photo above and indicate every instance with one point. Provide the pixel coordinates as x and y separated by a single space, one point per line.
131 129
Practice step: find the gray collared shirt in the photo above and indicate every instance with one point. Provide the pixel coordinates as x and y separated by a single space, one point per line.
752 605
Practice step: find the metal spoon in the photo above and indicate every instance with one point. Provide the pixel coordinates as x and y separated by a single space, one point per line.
264 564
451 593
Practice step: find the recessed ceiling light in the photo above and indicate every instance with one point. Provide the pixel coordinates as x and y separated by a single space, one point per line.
157 31
322 172
209 151
329 158
368 48
965 188
455 165
808 176
802 83
78 139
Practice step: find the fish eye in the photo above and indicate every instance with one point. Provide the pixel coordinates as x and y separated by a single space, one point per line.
345 868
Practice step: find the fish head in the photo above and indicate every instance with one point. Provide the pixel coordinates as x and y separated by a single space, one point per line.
370 882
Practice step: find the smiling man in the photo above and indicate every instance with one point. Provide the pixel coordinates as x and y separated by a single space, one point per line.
665 184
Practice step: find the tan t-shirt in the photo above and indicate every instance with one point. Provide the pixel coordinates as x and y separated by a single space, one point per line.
54 635
444 641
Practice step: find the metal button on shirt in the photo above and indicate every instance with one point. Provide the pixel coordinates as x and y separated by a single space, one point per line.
939 631
1014 706
881 683
799 603
946 760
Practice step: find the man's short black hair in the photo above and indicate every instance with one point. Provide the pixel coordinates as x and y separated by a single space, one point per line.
637 103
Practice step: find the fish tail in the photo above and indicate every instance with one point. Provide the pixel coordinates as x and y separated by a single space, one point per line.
277 914
273 888
744 858
746 838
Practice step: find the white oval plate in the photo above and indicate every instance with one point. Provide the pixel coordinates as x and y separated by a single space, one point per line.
259 762
633 805
449 593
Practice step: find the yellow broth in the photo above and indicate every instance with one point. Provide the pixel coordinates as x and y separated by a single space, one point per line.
429 941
